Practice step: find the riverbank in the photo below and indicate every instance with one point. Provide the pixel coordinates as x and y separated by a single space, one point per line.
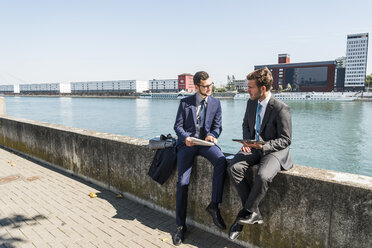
134 96
363 99
77 96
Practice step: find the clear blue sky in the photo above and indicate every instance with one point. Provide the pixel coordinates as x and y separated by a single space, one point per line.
66 41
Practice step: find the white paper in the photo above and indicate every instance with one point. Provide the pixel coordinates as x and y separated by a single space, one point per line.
200 142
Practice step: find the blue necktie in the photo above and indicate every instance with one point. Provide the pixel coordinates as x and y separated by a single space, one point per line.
258 121
202 113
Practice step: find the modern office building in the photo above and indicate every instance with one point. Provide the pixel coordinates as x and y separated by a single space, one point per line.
356 61
185 82
109 87
309 76
163 85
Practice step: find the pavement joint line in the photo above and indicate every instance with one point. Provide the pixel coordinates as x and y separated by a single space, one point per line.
77 232
97 219
117 231
104 231
81 216
108 243
90 232
93 244
139 245
129 230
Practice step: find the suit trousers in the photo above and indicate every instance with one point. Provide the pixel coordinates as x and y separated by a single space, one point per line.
185 160
268 167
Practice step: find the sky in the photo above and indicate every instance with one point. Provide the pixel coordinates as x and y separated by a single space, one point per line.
73 41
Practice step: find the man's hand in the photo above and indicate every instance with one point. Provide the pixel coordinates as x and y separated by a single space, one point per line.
254 145
189 142
245 149
211 139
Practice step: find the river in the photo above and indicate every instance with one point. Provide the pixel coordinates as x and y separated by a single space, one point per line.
329 135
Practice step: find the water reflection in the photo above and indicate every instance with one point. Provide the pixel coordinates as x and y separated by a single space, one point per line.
65 110
142 115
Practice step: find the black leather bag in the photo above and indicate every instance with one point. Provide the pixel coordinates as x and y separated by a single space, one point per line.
163 164
160 143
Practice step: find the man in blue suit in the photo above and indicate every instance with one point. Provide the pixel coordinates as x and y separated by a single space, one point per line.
198 116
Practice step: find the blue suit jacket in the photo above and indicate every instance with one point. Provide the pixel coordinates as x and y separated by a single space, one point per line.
185 124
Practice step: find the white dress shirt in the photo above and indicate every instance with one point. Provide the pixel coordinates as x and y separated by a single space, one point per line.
263 109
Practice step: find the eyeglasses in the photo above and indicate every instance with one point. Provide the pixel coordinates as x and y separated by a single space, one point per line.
206 86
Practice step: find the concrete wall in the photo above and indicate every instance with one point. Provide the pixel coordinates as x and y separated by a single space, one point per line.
304 207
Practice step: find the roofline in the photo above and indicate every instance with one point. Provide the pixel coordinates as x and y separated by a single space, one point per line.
331 62
355 36
163 79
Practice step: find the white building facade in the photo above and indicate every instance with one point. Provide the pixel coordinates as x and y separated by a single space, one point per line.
241 85
119 86
53 88
163 85
356 61
16 88
6 88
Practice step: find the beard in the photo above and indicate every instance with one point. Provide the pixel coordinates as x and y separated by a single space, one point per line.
257 95
203 94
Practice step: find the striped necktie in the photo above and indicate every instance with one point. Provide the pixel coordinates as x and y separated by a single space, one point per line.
258 121
202 113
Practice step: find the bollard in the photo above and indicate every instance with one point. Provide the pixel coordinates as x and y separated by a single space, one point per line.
2 106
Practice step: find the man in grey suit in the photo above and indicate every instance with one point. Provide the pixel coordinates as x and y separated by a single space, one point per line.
269 120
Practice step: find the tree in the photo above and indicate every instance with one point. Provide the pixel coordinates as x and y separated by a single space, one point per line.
368 80
221 89
289 88
214 88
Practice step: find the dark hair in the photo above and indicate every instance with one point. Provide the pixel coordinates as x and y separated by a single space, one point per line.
200 75
262 77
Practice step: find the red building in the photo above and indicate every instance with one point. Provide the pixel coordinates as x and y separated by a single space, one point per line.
310 76
283 58
186 82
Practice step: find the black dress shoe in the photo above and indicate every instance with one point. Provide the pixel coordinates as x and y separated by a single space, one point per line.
235 229
216 215
251 218
179 236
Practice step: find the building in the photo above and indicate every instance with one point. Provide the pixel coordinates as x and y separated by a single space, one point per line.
109 87
356 61
340 74
163 85
7 89
241 85
16 89
186 82
309 76
44 89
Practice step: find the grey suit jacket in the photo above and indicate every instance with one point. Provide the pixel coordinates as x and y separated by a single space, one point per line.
276 129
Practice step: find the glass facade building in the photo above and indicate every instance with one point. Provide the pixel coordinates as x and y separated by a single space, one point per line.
305 77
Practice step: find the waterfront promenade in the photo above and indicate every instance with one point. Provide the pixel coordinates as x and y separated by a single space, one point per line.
44 207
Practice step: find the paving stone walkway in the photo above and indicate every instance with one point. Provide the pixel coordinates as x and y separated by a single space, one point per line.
44 207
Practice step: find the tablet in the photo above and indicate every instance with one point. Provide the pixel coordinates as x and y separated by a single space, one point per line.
260 142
